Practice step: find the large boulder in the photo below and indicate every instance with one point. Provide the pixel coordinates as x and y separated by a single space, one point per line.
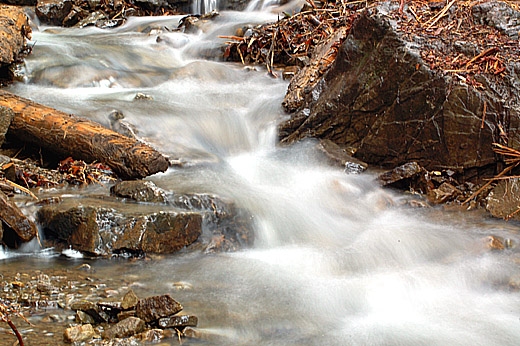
102 231
141 218
383 99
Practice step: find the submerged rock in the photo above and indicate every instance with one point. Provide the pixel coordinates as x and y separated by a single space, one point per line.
79 333
337 156
125 328
139 190
178 321
504 200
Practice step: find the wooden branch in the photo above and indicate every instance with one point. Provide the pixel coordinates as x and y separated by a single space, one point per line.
81 138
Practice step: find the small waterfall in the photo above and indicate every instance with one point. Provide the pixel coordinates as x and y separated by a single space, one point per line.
204 6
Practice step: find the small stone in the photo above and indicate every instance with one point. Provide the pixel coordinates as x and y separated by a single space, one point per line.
141 96
154 335
444 193
153 308
129 300
79 333
494 243
125 314
178 321
84 318
125 328
139 190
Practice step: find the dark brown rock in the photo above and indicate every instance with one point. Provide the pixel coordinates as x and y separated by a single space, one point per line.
53 12
125 328
103 231
154 335
232 226
125 314
92 309
382 99
178 321
444 193
339 157
139 190
403 172
152 308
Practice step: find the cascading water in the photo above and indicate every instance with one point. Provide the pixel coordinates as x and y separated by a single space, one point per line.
204 6
337 260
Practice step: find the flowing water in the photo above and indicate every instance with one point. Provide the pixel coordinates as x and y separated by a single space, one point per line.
337 260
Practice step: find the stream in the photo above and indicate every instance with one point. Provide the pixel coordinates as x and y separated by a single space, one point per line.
337 260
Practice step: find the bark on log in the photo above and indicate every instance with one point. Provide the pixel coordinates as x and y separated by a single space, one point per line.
13 217
81 138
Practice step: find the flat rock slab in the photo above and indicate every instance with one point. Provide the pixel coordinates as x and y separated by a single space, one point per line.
153 308
104 231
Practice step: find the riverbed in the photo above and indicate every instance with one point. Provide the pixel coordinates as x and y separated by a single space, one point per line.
337 260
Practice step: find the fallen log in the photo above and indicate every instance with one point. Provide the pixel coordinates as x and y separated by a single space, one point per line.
13 217
81 138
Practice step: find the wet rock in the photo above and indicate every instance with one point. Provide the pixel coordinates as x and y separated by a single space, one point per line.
103 232
111 310
139 190
92 19
178 321
20 228
124 328
45 286
154 335
120 126
91 309
129 300
399 174
84 318
53 12
444 193
6 115
79 333
494 243
339 157
125 314
152 308
504 200
382 99
226 227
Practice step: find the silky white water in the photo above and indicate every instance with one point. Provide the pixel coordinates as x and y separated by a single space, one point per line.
337 260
